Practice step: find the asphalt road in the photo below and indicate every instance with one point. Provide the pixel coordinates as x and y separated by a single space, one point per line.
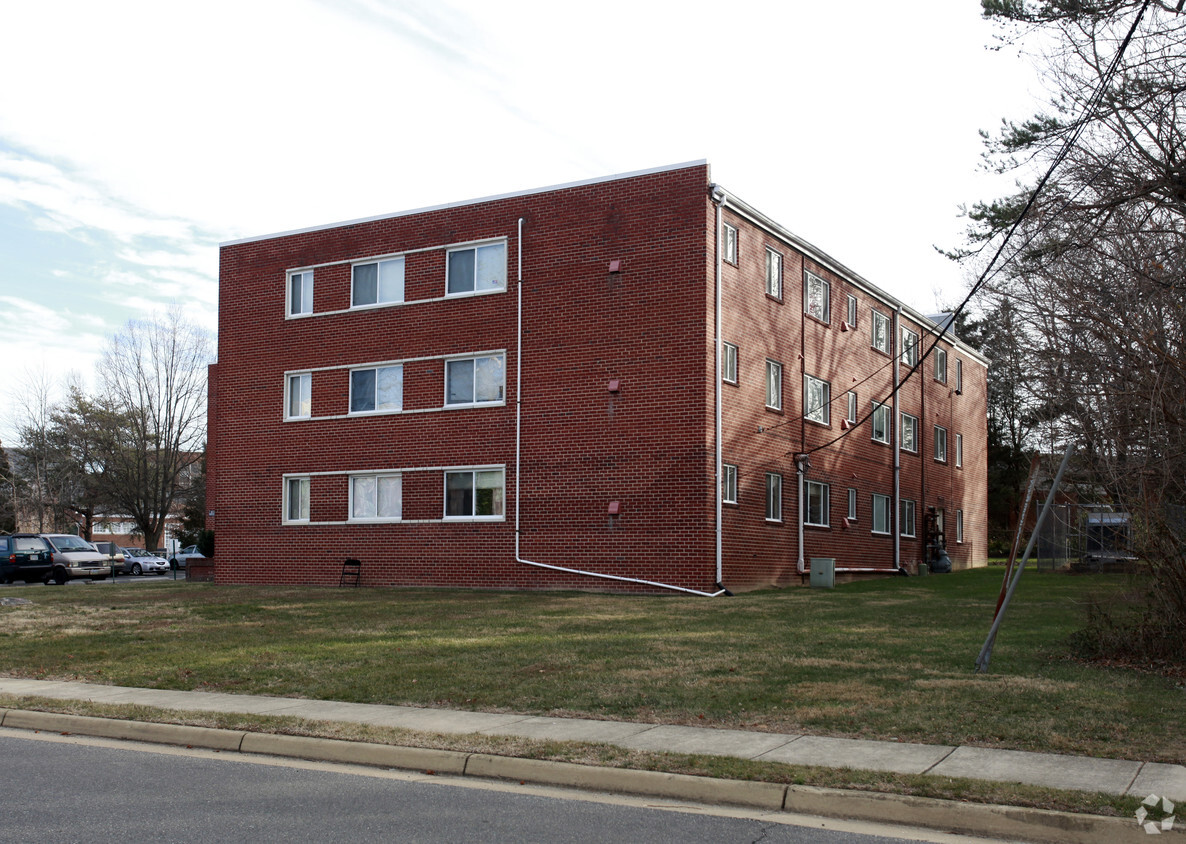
72 789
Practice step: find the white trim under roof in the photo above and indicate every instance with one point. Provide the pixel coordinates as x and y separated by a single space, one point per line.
582 183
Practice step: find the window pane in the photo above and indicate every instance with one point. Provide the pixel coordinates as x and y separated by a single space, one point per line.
299 395
390 388
488 379
461 271
307 292
852 406
852 311
459 494
389 497
298 499
362 390
294 295
366 284
852 504
460 380
492 267
391 280
488 498
363 492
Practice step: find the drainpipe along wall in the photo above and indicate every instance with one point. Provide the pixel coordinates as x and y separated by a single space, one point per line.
519 451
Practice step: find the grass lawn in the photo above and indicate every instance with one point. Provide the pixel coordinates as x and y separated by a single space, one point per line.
882 660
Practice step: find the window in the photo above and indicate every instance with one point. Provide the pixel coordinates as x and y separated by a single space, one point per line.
730 243
376 390
906 515
852 407
773 274
377 283
477 269
881 513
959 526
773 385
959 451
852 504
941 444
375 498
817 400
816 300
728 483
296 500
300 402
773 497
959 376
851 316
816 512
909 347
474 494
729 363
300 293
881 331
881 423
908 432
941 366
471 381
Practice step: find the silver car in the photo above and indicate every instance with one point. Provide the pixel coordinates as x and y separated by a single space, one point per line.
138 561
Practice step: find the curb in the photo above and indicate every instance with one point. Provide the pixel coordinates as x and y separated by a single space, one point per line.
1035 825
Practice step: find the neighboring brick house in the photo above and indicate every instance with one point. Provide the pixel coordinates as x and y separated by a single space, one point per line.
521 392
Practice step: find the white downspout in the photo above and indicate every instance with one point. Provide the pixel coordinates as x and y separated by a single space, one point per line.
719 199
897 439
801 471
518 451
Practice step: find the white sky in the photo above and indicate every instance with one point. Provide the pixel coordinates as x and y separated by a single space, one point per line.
135 136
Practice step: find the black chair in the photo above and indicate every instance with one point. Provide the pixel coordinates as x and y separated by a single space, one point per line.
351 572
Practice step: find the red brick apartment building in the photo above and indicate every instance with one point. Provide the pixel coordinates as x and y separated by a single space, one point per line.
523 392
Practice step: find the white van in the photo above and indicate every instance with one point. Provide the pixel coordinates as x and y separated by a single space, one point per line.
74 557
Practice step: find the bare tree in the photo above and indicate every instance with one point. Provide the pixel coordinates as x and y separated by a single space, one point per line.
154 382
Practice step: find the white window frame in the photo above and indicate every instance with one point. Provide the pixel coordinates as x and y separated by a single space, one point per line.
812 491
728 362
474 401
959 451
882 513
729 249
850 315
773 497
852 407
908 422
959 376
959 527
852 504
906 517
375 397
377 478
941 365
301 485
940 435
879 320
475 289
499 499
813 281
302 382
821 414
773 384
305 307
728 483
882 411
909 346
385 265
773 273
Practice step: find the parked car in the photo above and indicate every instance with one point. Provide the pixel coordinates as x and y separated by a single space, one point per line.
138 561
189 552
25 556
74 557
113 553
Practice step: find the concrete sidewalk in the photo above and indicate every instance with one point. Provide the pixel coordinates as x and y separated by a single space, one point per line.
1112 776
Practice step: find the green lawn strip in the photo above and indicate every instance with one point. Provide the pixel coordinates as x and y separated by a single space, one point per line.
889 659
946 788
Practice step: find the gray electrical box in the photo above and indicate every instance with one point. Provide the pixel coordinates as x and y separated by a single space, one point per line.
823 572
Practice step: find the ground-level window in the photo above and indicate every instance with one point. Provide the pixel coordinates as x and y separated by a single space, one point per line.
959 450
880 327
908 432
474 494
375 497
728 483
940 444
300 293
852 504
817 299
471 381
773 385
378 389
377 283
881 513
959 526
881 423
729 363
816 512
300 396
477 269
773 497
817 400
907 517
296 500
